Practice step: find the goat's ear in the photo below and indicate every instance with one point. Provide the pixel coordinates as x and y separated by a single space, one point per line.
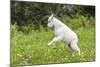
52 16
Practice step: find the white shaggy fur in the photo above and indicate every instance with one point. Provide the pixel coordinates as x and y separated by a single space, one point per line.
63 32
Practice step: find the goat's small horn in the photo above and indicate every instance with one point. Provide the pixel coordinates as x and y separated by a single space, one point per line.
52 15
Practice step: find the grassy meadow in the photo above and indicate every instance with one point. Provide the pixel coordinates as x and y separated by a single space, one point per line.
32 48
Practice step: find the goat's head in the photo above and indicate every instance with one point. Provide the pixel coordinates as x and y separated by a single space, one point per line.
50 21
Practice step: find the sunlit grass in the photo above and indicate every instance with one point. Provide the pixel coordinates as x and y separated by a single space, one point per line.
32 48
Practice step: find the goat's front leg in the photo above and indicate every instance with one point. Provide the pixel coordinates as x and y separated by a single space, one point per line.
55 40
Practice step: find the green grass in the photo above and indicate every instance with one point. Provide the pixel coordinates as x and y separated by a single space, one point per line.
32 48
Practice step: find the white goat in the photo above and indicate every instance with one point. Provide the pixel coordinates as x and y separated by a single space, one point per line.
63 32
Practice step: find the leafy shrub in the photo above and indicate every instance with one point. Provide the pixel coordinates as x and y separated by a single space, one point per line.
79 21
74 23
14 29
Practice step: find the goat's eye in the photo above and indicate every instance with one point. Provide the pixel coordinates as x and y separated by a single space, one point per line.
49 21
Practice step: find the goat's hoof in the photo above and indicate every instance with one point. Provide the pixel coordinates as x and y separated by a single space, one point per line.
49 44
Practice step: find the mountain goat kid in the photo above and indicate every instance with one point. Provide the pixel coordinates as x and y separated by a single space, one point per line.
63 32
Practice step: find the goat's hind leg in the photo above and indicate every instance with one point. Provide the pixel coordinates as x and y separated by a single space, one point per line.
75 47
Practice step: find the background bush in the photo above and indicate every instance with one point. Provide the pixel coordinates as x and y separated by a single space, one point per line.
34 16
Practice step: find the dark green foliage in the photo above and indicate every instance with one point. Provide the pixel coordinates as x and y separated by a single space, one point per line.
25 13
